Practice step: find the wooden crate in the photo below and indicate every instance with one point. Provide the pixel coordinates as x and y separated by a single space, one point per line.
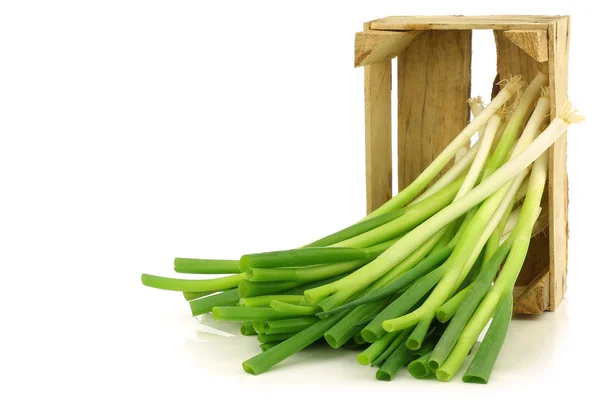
433 81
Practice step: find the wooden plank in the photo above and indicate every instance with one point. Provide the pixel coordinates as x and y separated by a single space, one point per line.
378 133
371 47
434 81
558 65
460 22
533 42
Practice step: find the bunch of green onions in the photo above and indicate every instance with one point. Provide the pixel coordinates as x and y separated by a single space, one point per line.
415 282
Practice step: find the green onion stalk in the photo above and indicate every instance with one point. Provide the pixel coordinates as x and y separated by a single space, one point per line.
481 367
485 221
206 266
505 282
537 119
289 325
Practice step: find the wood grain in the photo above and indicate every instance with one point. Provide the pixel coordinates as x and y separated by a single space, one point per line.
434 81
371 47
511 60
460 22
559 232
378 133
533 42
534 298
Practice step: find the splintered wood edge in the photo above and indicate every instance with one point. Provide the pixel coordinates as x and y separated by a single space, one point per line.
532 42
535 298
372 47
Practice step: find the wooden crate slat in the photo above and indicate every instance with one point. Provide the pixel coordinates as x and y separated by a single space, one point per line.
378 133
558 39
451 22
371 47
434 78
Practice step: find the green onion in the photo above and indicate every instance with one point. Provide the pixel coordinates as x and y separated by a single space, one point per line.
305 274
401 305
247 329
292 309
301 257
419 368
399 358
188 285
449 308
248 314
399 340
264 361
265 301
481 367
255 289
350 325
196 295
206 304
279 337
376 348
206 266
416 338
259 326
267 346
289 325
453 174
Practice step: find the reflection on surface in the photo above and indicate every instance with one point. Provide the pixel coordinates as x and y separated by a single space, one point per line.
210 329
532 344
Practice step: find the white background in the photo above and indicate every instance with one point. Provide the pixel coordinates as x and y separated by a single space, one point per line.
136 131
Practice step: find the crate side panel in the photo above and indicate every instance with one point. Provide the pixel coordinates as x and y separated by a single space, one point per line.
434 82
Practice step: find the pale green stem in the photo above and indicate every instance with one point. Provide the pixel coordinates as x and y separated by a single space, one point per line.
539 115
